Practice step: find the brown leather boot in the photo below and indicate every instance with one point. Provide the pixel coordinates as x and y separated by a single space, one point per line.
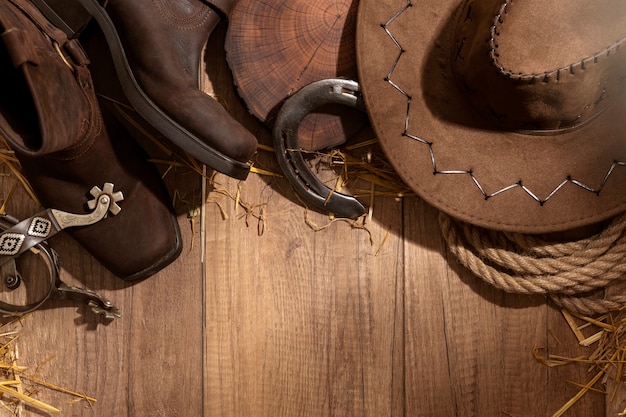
157 46
51 118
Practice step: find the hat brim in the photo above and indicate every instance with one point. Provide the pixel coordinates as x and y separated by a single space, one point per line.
500 180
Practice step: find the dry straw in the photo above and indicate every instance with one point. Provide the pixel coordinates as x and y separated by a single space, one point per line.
607 361
583 276
19 385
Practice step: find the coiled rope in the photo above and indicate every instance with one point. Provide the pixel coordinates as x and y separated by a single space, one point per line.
587 276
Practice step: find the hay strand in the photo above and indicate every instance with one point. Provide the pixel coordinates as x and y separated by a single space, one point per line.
607 361
14 392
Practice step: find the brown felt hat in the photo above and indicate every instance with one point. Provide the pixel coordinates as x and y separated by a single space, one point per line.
510 115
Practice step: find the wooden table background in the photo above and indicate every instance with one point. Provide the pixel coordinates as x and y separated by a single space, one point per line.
274 319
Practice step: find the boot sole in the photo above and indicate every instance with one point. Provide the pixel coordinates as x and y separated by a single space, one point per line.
144 106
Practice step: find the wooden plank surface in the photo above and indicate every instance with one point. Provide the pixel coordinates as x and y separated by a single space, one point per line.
269 317
148 362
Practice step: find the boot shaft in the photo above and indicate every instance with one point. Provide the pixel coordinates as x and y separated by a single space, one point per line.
47 84
157 48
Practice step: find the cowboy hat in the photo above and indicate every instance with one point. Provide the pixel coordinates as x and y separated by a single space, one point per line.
504 114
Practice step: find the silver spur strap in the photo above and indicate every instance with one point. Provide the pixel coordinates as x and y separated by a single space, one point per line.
42 226
18 237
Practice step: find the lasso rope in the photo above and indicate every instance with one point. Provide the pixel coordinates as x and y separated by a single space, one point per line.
587 276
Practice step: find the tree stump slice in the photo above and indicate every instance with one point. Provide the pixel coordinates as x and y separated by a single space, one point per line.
276 47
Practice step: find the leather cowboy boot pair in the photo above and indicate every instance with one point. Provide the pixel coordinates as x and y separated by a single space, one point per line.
51 118
156 46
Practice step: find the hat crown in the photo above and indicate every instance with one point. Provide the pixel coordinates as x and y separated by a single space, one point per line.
541 66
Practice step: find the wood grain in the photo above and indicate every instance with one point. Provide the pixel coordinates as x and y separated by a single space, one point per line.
275 48
274 318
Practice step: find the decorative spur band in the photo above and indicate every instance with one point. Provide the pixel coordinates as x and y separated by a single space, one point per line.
40 227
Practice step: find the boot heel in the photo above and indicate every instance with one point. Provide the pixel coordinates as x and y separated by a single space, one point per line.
192 121
71 20
178 133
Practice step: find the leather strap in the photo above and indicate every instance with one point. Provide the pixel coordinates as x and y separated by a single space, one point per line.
42 23
70 18
42 226
71 47
28 233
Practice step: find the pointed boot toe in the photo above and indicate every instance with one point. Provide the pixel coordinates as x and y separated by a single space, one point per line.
157 46
50 116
